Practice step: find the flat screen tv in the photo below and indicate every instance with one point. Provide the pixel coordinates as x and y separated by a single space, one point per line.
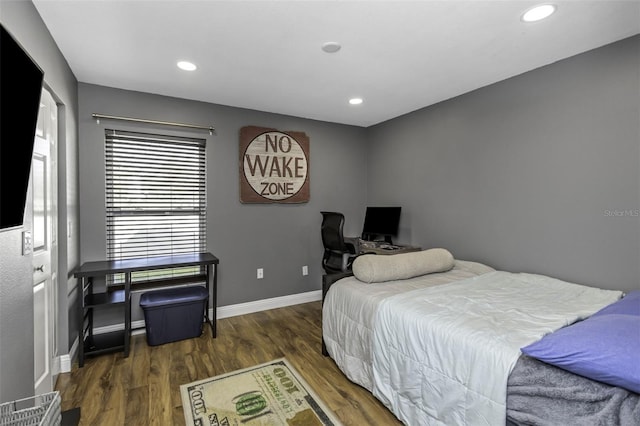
381 222
20 89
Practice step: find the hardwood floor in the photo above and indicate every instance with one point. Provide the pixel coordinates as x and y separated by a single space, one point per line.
144 388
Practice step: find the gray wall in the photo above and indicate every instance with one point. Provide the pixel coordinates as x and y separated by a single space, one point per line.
16 295
538 173
279 238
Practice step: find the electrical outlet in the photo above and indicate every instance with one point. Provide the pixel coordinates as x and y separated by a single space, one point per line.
260 273
305 270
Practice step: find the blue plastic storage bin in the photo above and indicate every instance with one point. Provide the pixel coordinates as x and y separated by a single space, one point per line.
173 314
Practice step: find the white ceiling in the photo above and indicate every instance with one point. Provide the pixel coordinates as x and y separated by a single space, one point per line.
398 56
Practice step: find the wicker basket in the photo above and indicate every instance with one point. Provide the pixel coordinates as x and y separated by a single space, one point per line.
39 410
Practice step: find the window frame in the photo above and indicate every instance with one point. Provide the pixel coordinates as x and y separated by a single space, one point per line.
155 200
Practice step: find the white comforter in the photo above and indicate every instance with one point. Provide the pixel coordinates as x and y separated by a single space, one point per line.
350 308
442 355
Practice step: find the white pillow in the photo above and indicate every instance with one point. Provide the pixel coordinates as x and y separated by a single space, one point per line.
371 268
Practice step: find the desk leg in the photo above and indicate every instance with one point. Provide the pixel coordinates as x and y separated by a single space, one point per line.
214 301
127 313
211 321
81 288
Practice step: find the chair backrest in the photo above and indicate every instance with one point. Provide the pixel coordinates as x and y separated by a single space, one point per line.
331 229
338 255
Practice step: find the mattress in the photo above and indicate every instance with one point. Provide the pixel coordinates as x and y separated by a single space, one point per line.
349 311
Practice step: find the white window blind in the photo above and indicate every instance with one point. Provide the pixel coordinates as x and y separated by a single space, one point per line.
155 198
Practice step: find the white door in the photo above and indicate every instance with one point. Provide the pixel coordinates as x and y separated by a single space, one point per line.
45 245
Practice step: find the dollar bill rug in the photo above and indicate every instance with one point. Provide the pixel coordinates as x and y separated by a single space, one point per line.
271 394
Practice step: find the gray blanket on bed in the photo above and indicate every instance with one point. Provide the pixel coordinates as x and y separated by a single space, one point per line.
540 394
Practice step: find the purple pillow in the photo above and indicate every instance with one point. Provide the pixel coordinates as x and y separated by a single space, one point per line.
604 347
630 305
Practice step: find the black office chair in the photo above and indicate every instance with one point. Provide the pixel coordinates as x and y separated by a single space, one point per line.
338 254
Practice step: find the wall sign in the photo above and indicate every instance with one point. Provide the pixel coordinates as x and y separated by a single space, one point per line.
274 166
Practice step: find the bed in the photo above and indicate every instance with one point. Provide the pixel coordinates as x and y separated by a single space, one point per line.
439 341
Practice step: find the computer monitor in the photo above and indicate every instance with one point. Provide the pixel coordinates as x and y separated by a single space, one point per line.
381 222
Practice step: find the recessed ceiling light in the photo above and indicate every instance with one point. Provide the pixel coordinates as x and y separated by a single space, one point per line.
355 101
187 66
331 47
539 12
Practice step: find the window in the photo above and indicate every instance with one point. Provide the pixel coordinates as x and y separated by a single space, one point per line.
155 199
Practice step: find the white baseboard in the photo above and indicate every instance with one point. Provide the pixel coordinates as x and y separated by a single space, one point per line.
222 311
266 304
66 360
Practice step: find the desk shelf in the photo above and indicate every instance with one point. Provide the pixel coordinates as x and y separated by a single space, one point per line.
95 344
105 343
93 300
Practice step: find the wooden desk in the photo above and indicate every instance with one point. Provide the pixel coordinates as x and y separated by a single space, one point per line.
90 300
